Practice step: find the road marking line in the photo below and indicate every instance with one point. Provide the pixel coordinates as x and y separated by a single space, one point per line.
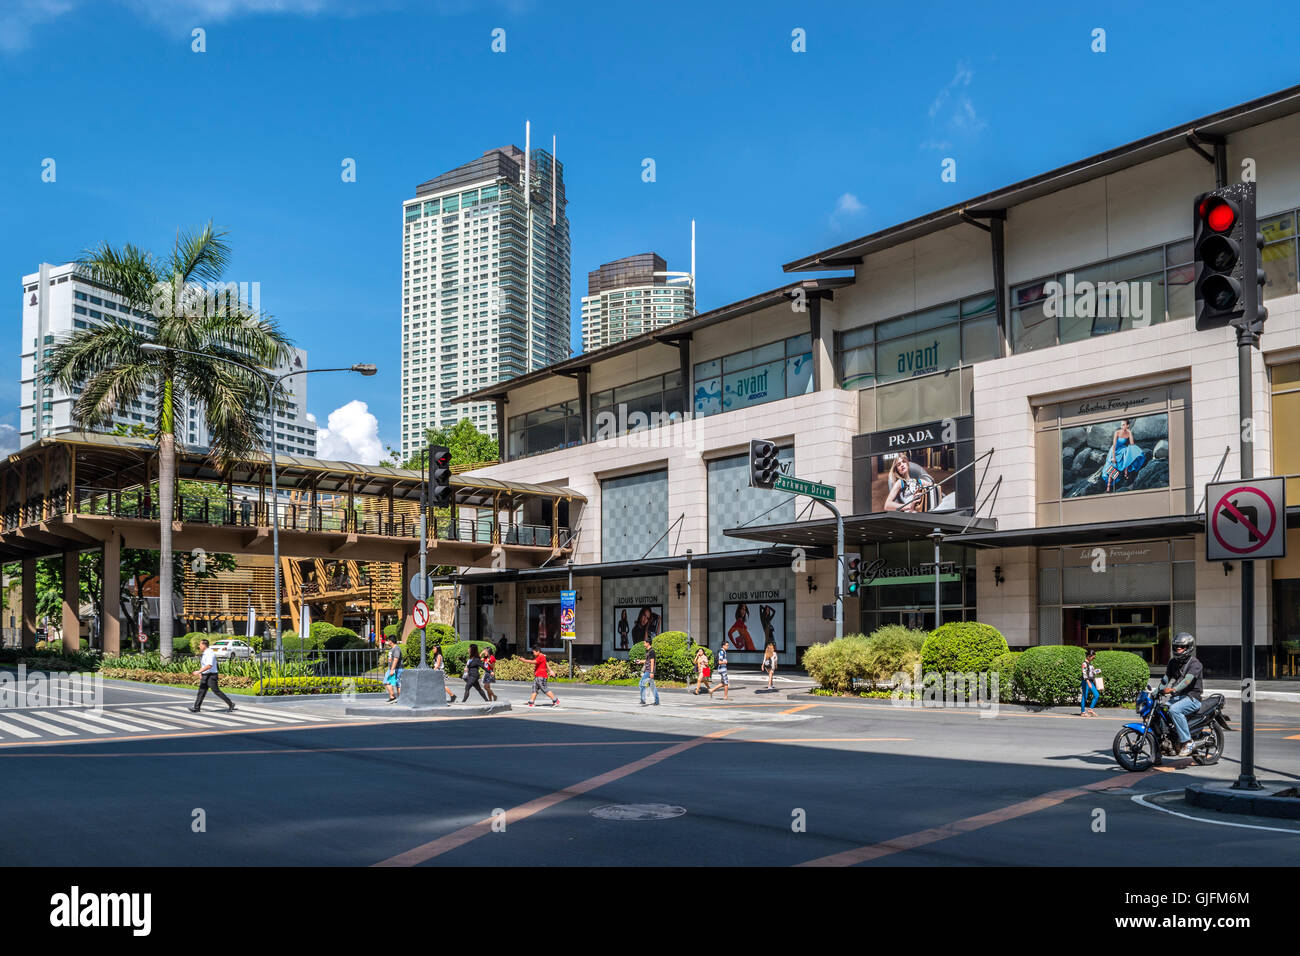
17 731
811 740
329 750
48 728
115 723
73 722
147 721
1292 737
795 710
1141 800
140 715
192 733
458 838
911 841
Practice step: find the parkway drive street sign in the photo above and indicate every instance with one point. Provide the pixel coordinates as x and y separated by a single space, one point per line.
799 486
1245 519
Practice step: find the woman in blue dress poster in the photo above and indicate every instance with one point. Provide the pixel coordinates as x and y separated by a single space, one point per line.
1125 458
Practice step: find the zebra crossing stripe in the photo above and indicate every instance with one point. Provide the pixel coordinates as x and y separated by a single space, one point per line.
284 718
22 732
156 724
48 728
72 721
117 723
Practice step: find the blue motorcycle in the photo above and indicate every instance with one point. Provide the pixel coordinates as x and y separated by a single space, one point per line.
1143 744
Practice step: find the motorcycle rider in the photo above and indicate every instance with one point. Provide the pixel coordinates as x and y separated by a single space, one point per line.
1182 681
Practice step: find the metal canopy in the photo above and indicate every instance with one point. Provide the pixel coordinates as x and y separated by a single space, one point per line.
101 457
1133 529
717 561
880 528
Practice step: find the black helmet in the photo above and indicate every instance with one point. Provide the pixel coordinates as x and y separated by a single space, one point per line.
1183 639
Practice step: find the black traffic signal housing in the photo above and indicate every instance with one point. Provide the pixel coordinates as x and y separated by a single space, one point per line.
764 464
1227 250
855 576
439 476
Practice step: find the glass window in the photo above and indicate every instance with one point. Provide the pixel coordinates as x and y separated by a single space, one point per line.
858 367
798 344
1179 292
979 340
1031 328
738 360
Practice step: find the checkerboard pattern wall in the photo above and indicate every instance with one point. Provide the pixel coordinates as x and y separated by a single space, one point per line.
723 584
649 590
633 513
732 502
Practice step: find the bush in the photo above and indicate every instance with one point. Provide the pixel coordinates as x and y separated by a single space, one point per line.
1004 665
514 668
1050 675
674 656
1125 675
455 654
891 649
435 635
277 686
169 677
962 646
837 664
614 669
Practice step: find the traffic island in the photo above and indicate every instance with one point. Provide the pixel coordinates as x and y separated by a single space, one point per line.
424 694
1271 800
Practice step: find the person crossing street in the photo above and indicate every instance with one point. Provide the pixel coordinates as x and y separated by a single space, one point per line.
207 675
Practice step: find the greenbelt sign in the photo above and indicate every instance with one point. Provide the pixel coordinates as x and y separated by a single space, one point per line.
798 486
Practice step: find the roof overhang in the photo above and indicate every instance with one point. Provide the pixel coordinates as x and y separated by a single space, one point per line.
666 335
1095 533
775 556
1204 130
879 528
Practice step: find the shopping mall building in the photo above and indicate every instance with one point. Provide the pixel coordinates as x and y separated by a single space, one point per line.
1031 352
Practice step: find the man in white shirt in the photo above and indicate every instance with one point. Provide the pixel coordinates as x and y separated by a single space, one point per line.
207 675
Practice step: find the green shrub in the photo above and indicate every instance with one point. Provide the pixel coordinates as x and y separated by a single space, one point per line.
891 649
435 635
1125 674
835 665
455 654
169 677
277 686
390 630
1004 665
614 669
1050 675
674 656
514 668
962 646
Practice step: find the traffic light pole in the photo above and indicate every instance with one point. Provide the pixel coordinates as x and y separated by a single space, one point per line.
839 567
1247 339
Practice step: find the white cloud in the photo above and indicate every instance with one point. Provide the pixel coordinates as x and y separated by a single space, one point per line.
350 434
8 439
953 107
19 17
848 205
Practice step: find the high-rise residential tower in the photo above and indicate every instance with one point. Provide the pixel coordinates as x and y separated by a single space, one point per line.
57 301
633 295
472 239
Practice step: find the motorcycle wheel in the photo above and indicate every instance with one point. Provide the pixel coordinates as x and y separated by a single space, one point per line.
1135 751
1211 754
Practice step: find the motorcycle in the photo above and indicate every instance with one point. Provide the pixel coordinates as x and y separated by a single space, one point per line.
1143 744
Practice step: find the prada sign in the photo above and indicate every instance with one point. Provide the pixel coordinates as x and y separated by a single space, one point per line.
943 432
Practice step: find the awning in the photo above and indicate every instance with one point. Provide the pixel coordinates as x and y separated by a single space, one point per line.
1133 529
645 567
879 528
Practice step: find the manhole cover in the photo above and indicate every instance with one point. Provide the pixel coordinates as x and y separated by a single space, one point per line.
637 811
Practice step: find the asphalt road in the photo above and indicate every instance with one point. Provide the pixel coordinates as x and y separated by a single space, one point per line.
761 780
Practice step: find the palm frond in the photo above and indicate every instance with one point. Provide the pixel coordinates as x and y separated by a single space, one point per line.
201 255
110 391
131 272
87 352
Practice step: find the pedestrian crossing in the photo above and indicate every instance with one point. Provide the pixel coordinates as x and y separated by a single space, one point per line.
42 724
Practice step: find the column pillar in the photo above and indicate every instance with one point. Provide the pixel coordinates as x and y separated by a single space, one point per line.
71 602
110 611
29 603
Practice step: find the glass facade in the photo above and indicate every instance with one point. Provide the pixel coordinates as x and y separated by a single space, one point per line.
902 588
559 426
637 405
755 376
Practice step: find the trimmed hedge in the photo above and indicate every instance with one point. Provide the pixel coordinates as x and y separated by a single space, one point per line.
169 677
962 646
279 686
1125 675
1004 665
435 635
1050 675
674 656
891 649
455 655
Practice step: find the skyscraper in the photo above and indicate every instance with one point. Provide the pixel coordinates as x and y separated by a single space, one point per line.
470 315
57 301
632 295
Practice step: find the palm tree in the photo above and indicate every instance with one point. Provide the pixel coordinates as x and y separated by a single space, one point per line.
191 310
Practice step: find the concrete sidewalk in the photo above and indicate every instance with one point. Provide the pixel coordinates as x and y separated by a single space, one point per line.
1283 691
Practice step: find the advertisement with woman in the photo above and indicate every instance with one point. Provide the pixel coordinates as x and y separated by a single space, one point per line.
544 625
633 623
1127 454
752 625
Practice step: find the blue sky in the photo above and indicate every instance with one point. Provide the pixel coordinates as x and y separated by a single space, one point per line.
776 154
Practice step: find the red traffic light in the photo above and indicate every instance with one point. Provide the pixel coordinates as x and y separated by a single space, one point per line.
442 459
1218 214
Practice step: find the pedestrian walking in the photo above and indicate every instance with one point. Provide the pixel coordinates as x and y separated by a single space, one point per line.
490 672
540 671
393 677
473 668
1088 689
701 670
648 673
769 663
207 674
724 681
245 511
439 666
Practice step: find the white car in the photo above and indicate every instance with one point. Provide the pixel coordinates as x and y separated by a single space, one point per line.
228 650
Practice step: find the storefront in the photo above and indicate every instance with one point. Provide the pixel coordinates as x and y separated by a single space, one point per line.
1284 383
632 609
752 608
898 585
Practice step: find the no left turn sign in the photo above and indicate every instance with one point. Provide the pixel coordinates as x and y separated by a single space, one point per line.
1246 519
420 614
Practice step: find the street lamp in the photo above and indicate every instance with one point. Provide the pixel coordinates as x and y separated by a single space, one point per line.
272 384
